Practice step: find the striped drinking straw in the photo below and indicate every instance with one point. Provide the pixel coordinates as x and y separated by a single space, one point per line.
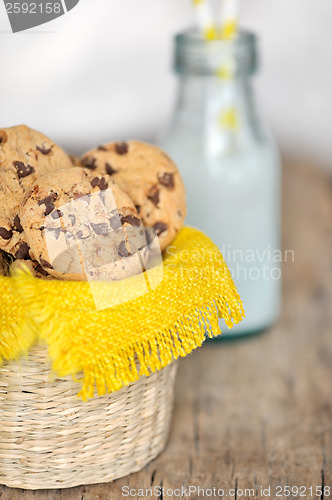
205 20
227 29
229 18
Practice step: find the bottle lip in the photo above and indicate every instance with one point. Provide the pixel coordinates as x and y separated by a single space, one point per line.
194 54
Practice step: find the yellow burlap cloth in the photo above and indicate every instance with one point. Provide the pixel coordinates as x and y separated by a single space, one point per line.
113 346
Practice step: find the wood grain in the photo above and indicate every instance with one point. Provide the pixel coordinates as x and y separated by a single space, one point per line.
257 412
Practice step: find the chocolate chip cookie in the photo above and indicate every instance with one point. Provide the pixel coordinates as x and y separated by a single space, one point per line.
150 178
25 154
77 222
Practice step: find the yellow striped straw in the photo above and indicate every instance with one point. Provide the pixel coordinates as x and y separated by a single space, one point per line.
205 20
229 18
228 116
228 28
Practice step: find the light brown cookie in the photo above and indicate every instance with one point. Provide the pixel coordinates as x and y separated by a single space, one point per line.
25 154
76 222
150 178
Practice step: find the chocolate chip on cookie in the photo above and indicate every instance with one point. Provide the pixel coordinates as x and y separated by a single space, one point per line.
48 201
23 252
153 195
82 236
101 228
121 148
5 234
40 270
99 182
72 219
56 214
43 150
166 179
109 169
115 222
122 250
89 162
132 220
17 224
45 263
22 169
160 227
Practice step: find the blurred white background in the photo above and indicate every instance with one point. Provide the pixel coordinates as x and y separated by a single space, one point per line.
104 71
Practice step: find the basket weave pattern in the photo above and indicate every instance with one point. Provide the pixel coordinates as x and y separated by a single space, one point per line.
51 439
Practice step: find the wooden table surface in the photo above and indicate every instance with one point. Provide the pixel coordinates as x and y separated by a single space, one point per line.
256 413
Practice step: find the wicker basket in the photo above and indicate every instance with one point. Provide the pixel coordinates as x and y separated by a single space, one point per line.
51 439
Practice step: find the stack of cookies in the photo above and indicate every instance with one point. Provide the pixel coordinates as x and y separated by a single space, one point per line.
101 216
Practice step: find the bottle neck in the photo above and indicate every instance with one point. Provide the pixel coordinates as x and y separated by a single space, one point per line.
219 106
215 96
195 55
197 91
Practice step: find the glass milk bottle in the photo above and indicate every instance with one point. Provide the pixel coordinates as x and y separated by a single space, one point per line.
230 167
